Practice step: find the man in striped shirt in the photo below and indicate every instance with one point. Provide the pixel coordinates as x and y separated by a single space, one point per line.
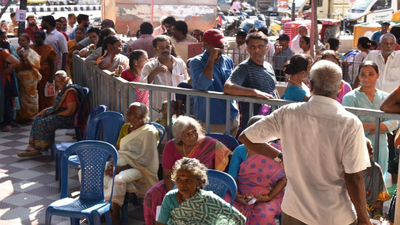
253 77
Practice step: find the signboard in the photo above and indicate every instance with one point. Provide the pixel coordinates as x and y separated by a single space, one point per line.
20 15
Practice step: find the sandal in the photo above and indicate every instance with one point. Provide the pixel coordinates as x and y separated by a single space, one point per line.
29 153
7 128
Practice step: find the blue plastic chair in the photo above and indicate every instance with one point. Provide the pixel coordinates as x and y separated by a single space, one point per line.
229 141
80 116
104 127
161 132
132 196
219 183
90 204
60 148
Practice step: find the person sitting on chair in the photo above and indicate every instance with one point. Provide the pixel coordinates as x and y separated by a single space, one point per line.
137 159
190 204
61 114
258 178
189 141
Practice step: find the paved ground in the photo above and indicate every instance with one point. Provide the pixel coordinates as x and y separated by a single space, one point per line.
27 186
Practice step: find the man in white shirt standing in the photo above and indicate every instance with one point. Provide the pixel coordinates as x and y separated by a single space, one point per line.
325 154
180 33
240 53
56 40
165 69
388 61
302 31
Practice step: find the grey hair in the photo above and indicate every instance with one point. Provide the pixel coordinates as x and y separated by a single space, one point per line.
144 110
64 75
182 123
326 78
386 36
193 166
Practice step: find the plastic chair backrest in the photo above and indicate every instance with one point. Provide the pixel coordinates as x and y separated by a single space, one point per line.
229 141
106 126
220 182
79 134
99 109
93 156
161 132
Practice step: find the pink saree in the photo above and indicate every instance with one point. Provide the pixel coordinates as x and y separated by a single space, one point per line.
212 153
257 176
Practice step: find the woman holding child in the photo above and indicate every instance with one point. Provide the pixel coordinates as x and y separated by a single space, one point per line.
189 141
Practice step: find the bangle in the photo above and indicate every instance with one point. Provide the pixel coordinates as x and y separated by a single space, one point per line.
266 198
377 215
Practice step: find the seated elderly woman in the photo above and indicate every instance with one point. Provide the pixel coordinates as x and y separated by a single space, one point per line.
189 141
258 178
137 159
61 114
374 186
190 204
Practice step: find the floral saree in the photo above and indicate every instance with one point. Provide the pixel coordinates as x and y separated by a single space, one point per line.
43 127
28 81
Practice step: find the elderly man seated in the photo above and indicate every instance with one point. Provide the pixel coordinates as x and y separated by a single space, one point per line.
137 159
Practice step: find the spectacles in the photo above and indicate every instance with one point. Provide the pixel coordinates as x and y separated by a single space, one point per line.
168 47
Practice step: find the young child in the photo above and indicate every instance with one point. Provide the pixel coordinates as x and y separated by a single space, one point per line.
163 119
374 186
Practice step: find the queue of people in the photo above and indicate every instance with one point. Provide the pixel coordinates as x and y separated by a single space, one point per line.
311 186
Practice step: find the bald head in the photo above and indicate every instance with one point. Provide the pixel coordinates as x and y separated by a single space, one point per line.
138 109
326 78
303 31
107 23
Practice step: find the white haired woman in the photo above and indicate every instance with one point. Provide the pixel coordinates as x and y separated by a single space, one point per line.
61 114
189 141
190 204
137 159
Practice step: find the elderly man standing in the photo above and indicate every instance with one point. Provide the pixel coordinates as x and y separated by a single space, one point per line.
302 31
165 69
180 33
145 41
388 62
209 72
324 160
253 77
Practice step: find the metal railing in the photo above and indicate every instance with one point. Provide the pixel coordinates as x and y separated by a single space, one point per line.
117 94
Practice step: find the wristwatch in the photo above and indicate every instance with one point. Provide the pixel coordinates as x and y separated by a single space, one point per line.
278 159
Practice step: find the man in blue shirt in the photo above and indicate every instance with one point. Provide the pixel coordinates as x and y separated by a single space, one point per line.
377 34
209 72
253 77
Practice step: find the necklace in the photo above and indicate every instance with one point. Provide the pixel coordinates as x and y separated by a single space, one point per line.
296 83
183 147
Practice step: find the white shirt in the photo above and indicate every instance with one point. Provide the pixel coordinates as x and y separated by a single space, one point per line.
321 142
59 43
179 74
188 39
69 29
269 57
296 44
389 78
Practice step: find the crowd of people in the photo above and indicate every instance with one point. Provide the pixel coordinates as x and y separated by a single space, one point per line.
326 150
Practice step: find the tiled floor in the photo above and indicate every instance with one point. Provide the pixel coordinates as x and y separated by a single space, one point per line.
27 186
